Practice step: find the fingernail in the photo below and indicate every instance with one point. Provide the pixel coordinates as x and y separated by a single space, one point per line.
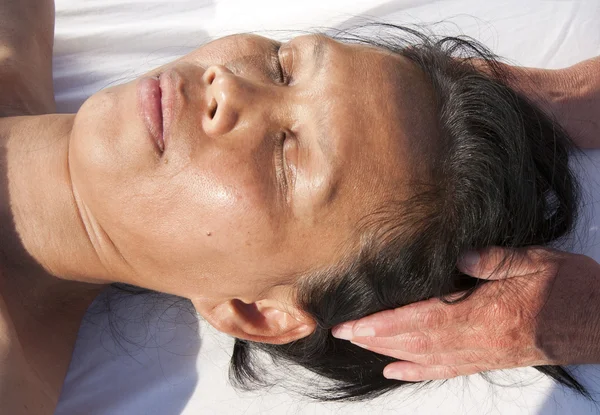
470 259
343 331
392 374
364 332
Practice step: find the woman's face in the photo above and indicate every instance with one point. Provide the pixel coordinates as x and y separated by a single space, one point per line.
259 179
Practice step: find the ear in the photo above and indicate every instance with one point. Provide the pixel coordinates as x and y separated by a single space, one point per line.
264 321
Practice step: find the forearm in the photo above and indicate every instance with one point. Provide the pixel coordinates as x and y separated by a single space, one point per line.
581 110
572 95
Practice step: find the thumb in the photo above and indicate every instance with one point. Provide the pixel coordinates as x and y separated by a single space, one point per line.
495 263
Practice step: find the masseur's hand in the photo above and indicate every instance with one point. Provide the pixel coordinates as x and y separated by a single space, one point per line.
572 95
541 308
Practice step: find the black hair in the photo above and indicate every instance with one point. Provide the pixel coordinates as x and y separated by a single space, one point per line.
500 177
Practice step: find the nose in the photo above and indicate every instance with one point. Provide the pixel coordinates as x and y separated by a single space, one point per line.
226 96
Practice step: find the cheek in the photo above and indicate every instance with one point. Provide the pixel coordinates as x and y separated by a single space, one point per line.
225 209
205 213
222 196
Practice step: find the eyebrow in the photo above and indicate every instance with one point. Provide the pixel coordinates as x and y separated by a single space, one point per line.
318 57
318 54
324 144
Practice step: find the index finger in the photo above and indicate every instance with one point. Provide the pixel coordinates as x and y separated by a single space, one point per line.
430 314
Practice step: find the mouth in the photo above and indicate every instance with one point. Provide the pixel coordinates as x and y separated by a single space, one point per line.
151 109
170 83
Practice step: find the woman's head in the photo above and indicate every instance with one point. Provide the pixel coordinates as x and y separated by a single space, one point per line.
397 156
263 177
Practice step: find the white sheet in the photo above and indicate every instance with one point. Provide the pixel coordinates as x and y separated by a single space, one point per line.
100 42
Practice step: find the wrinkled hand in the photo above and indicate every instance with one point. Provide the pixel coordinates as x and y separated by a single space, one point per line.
578 109
541 308
571 95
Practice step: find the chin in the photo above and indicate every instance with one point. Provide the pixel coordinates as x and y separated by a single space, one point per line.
109 138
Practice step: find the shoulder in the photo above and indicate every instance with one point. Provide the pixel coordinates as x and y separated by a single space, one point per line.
26 45
9 366
20 389
6 329
13 366
24 90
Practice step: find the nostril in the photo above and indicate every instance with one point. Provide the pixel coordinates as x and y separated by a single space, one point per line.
212 108
211 77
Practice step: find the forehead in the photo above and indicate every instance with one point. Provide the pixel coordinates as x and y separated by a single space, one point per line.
383 98
379 108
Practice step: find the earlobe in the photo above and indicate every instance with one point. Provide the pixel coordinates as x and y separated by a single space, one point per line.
264 321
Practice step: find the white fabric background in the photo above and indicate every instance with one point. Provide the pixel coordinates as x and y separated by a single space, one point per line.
102 42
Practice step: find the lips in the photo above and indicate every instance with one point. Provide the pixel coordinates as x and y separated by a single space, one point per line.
170 86
151 109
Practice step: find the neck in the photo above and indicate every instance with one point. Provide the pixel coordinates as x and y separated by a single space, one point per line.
42 238
39 218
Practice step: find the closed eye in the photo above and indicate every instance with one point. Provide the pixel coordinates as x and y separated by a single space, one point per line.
278 67
280 167
274 69
282 70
